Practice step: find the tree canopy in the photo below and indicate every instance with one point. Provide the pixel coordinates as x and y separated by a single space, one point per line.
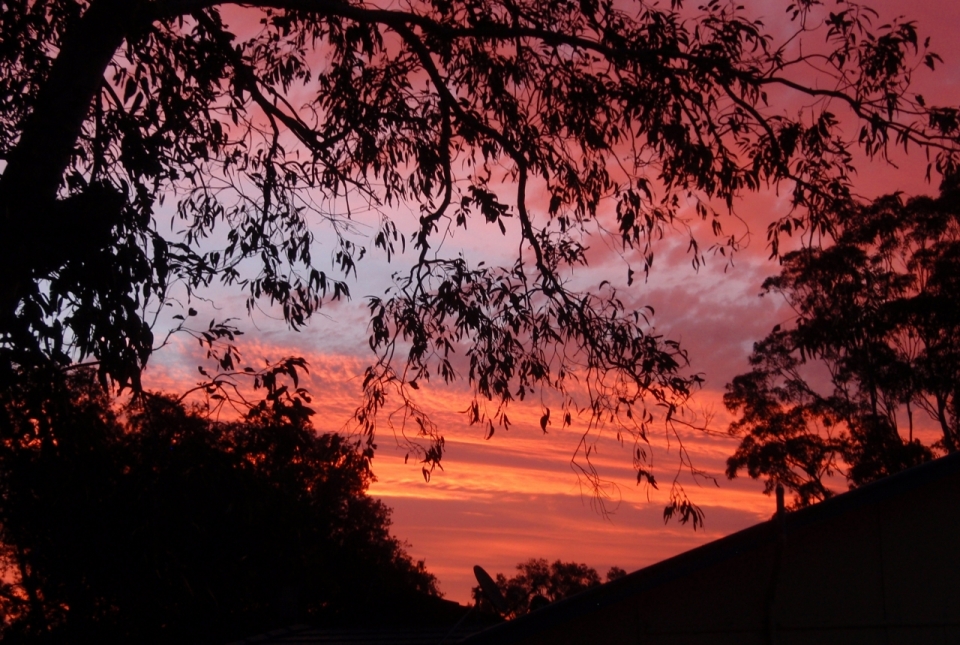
157 525
266 125
864 381
539 582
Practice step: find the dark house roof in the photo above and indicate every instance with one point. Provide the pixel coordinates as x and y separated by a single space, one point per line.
881 560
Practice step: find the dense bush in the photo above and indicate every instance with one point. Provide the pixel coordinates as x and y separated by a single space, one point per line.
154 523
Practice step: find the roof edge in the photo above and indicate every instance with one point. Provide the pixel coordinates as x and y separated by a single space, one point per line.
717 551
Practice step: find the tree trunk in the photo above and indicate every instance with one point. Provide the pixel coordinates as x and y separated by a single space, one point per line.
35 169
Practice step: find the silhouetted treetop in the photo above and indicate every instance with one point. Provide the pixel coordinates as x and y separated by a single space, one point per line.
158 525
270 124
538 583
872 353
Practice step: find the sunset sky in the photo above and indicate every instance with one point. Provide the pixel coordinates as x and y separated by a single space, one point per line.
515 496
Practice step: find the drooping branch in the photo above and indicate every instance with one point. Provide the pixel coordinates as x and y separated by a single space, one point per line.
652 57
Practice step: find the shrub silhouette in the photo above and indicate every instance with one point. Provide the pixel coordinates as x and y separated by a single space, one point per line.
156 524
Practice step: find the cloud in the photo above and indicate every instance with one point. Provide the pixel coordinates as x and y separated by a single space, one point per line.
453 535
503 500
509 498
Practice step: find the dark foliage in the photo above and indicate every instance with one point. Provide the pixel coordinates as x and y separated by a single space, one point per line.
878 315
539 583
159 526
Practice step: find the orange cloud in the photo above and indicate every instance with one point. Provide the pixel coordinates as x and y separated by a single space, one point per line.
509 498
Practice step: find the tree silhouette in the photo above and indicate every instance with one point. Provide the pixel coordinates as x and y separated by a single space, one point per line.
160 526
270 123
539 582
876 310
